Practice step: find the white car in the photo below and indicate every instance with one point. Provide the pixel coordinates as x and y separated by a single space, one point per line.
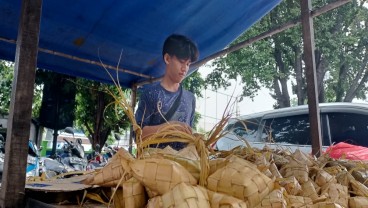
289 127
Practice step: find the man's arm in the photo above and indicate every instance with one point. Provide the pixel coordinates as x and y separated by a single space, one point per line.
179 126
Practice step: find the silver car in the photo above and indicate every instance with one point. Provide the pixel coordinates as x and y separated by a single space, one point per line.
289 127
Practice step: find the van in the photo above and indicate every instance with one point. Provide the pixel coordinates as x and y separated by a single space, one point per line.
290 128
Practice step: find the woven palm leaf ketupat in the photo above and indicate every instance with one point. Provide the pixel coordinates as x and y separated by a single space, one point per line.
275 172
299 201
192 166
112 173
336 193
309 191
189 152
358 202
358 188
262 163
160 175
155 202
290 184
322 177
150 152
275 199
241 179
344 178
169 133
297 169
327 205
183 196
218 200
216 164
303 158
130 195
361 174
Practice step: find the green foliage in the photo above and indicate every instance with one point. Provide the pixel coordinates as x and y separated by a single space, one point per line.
341 44
95 112
194 83
6 79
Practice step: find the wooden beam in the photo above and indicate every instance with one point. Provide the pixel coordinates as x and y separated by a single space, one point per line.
19 121
83 60
310 70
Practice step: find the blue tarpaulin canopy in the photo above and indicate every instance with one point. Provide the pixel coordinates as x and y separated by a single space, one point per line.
78 37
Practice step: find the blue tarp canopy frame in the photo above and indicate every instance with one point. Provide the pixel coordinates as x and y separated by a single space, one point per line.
79 37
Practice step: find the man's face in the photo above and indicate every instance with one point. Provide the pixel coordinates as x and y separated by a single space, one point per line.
176 68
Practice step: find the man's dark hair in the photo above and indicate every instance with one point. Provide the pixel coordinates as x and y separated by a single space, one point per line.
181 47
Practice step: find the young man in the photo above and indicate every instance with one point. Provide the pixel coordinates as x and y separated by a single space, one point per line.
168 97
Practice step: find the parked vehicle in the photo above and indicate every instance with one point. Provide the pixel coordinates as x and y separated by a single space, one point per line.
71 159
95 159
2 153
32 159
290 128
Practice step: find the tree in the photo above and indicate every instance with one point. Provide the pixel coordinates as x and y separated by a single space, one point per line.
6 79
195 83
95 113
277 61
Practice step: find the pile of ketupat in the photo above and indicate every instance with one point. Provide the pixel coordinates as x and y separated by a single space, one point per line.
243 177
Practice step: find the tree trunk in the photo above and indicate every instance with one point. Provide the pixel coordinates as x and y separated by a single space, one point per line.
300 81
283 97
356 86
340 83
321 68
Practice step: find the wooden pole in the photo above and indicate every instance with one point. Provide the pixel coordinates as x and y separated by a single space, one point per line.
19 121
310 70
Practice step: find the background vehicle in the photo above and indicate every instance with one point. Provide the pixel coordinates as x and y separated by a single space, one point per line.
32 159
290 128
71 159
